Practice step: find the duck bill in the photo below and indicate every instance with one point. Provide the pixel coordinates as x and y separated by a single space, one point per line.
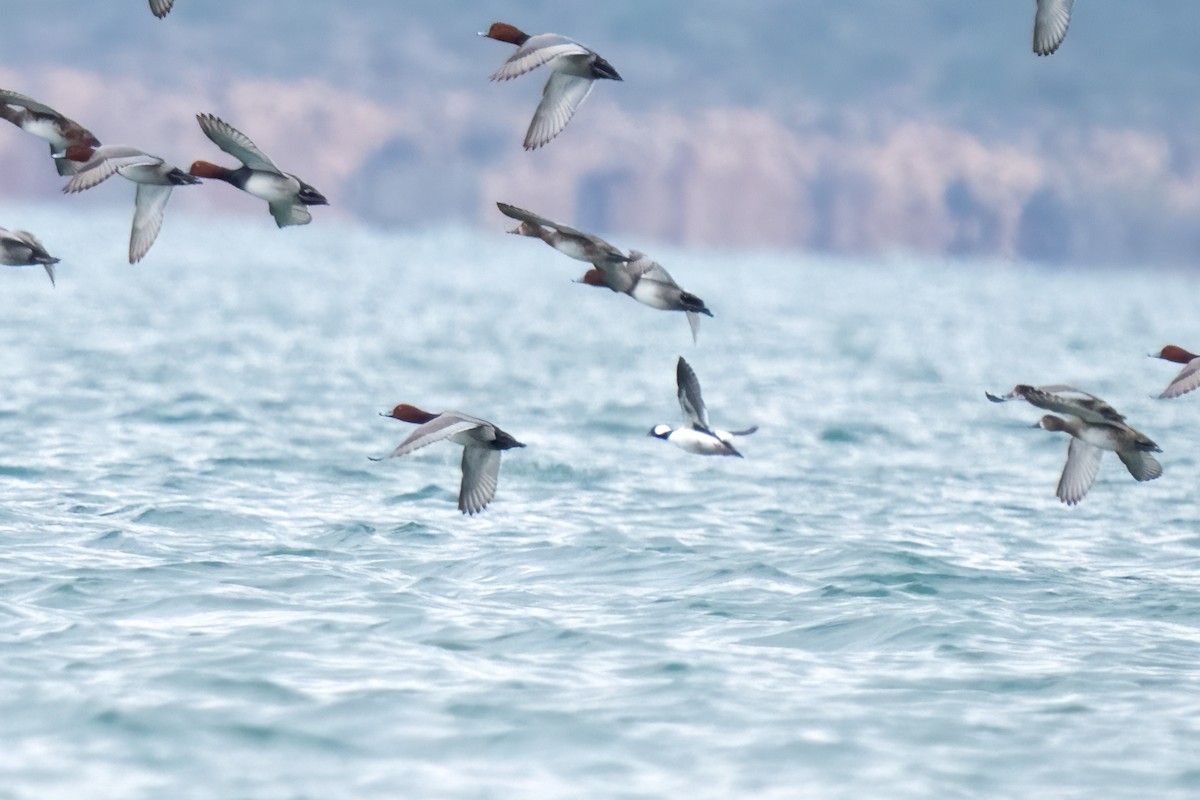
603 69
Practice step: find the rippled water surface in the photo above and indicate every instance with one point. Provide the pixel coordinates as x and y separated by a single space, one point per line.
208 590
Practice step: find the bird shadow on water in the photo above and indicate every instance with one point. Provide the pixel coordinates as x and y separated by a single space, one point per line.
431 491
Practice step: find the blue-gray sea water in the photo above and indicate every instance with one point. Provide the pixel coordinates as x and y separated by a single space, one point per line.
207 590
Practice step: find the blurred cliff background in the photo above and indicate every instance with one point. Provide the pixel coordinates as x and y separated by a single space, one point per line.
861 127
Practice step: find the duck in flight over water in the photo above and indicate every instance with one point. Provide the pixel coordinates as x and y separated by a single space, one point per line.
697 435
482 444
573 70
1095 426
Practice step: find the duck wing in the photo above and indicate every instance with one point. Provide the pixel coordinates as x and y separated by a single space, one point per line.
690 399
104 163
480 475
29 240
1050 25
1079 473
521 215
1141 465
20 110
1187 380
150 204
440 427
234 142
286 214
11 98
561 98
643 266
160 8
1063 399
1078 403
537 51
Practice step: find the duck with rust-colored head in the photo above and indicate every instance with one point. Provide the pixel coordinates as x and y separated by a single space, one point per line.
482 444
573 70
286 195
44 122
1188 377
635 274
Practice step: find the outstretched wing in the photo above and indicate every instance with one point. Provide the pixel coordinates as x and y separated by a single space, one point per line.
690 399
1187 380
104 163
1050 25
536 52
149 205
1063 399
1079 473
481 473
1068 400
441 427
643 266
11 98
522 215
1141 465
234 142
560 99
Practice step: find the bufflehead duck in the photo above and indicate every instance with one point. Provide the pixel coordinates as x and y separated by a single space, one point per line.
697 436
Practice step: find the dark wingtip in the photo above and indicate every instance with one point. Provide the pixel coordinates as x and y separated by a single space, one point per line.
993 397
603 69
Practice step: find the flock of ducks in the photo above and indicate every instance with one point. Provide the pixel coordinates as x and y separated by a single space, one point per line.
85 162
79 156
